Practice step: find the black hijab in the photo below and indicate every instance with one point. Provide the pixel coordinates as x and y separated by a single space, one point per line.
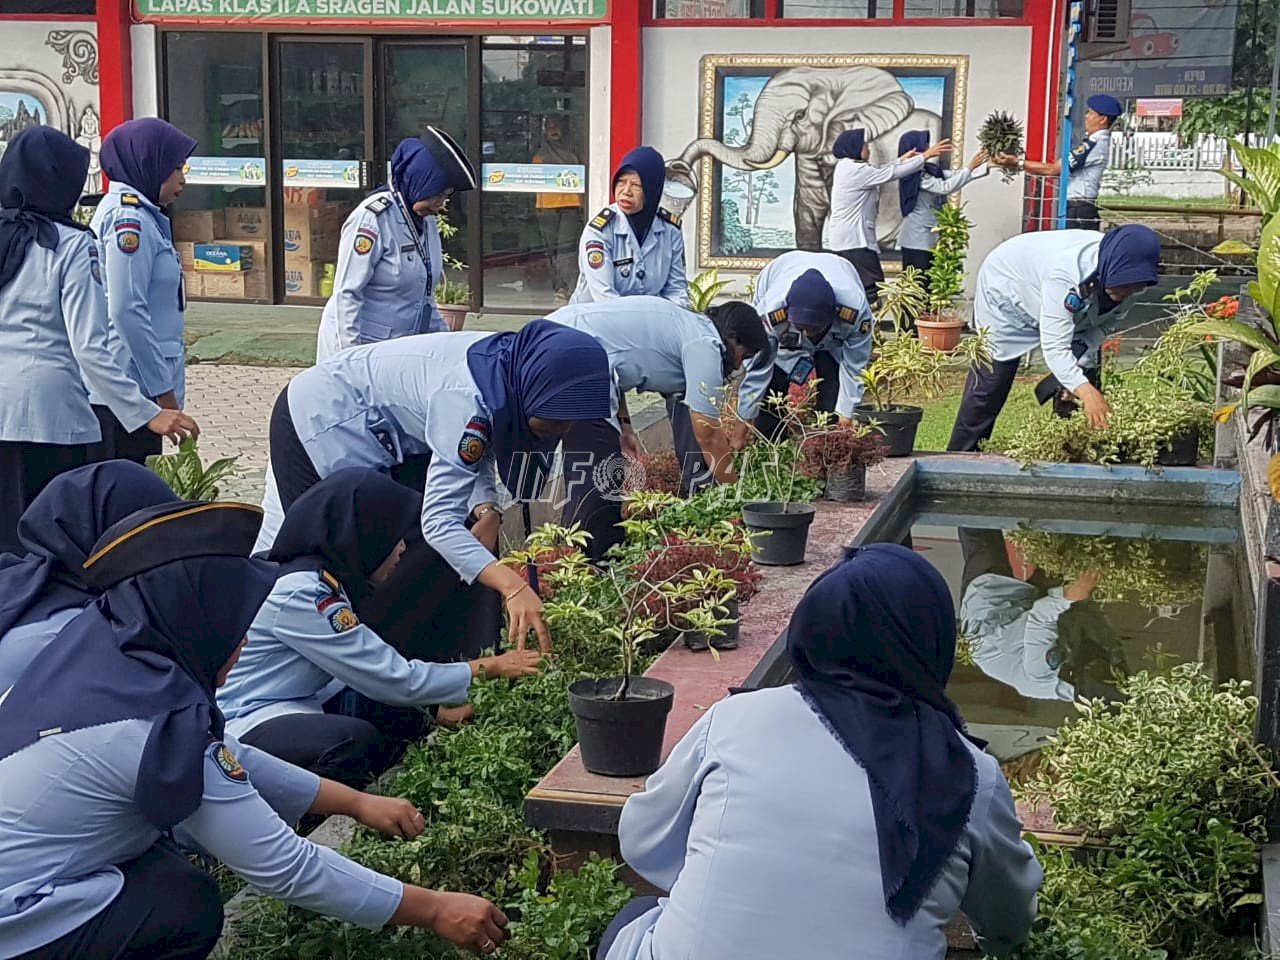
348 522
872 643
41 178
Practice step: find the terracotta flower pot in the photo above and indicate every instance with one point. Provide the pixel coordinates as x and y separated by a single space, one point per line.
939 332
455 315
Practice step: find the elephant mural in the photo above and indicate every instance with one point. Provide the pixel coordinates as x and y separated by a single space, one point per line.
798 113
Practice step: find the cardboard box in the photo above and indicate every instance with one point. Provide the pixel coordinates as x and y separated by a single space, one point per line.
309 234
258 259
194 283
247 223
198 225
224 257
186 253
302 278
245 285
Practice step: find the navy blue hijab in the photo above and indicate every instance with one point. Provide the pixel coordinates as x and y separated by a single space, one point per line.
143 153
41 178
349 523
149 648
545 370
872 643
1128 255
648 165
909 187
848 145
425 167
57 531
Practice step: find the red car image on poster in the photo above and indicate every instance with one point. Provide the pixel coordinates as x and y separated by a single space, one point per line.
1146 43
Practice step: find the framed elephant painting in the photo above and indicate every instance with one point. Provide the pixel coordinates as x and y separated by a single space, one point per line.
760 168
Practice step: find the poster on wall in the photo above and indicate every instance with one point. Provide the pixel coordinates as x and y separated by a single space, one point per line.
336 174
533 177
1176 48
761 166
227 171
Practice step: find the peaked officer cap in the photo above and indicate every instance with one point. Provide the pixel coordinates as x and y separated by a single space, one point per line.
1106 105
451 158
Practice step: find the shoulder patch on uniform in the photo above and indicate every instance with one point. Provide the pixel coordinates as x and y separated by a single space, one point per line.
603 218
1053 658
1081 150
865 328
227 763
474 440
130 200
379 204
128 223
95 266
128 240
341 617
595 254
667 215
364 241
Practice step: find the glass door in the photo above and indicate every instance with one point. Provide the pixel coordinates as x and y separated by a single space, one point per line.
325 122
425 83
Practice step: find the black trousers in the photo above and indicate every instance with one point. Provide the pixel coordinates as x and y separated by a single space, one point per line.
922 260
350 750
984 552
168 909
633 910
424 610
870 271
117 443
985 393
25 470
588 445
1083 215
768 422
694 472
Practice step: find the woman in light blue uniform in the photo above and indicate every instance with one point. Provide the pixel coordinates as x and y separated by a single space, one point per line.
146 299
847 814
818 319
112 739
920 197
389 258
53 328
463 407
42 589
338 544
653 344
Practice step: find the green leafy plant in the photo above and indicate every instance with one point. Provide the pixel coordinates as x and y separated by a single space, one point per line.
901 368
186 474
1002 133
1261 179
703 290
451 292
565 921
946 273
903 298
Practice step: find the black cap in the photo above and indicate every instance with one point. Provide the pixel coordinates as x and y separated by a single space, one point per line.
160 534
452 159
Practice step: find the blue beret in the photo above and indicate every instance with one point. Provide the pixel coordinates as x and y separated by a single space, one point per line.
1106 105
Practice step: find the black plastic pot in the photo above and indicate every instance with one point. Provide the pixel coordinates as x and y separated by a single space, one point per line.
787 526
1184 451
846 485
621 738
728 640
898 423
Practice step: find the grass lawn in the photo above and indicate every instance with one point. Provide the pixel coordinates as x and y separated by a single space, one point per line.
940 415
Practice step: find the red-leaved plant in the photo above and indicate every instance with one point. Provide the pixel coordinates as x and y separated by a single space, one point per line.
841 448
677 559
661 472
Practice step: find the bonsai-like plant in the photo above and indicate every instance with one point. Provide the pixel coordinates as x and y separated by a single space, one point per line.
946 273
1001 134
703 289
901 367
186 474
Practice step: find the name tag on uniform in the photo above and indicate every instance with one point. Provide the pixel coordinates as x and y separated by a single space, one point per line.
624 262
406 250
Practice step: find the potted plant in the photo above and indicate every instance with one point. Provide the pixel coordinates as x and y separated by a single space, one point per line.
840 455
453 297
902 367
1001 136
186 474
940 328
704 288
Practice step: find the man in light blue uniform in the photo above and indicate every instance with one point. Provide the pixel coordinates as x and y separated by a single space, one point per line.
818 319
653 344
389 257
146 298
111 739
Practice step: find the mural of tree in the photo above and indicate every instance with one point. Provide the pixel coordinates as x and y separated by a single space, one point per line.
742 182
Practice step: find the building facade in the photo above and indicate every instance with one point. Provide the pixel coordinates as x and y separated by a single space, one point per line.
297 105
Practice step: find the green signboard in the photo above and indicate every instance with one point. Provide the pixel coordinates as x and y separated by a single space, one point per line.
459 11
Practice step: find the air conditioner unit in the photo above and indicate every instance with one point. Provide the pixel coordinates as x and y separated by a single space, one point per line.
1106 27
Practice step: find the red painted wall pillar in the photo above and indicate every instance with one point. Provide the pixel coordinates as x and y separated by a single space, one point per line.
626 79
115 63
1043 115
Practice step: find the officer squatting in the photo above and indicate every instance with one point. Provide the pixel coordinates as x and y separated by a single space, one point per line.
181 676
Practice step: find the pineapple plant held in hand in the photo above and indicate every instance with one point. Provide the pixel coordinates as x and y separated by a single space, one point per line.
1001 136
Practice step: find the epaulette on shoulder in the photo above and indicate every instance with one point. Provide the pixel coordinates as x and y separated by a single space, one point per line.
668 216
603 218
379 204
331 581
130 200
847 314
778 316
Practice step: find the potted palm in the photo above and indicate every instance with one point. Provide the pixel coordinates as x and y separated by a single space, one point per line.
941 328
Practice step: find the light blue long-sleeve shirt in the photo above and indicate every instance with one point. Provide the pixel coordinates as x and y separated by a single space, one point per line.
53 345
654 344
611 263
306 636
848 341
23 643
68 816
1022 300
1014 632
382 286
916 232
761 827
145 295
375 405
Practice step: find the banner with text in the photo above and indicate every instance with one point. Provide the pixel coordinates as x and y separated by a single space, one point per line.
227 171
533 177
449 10
338 174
